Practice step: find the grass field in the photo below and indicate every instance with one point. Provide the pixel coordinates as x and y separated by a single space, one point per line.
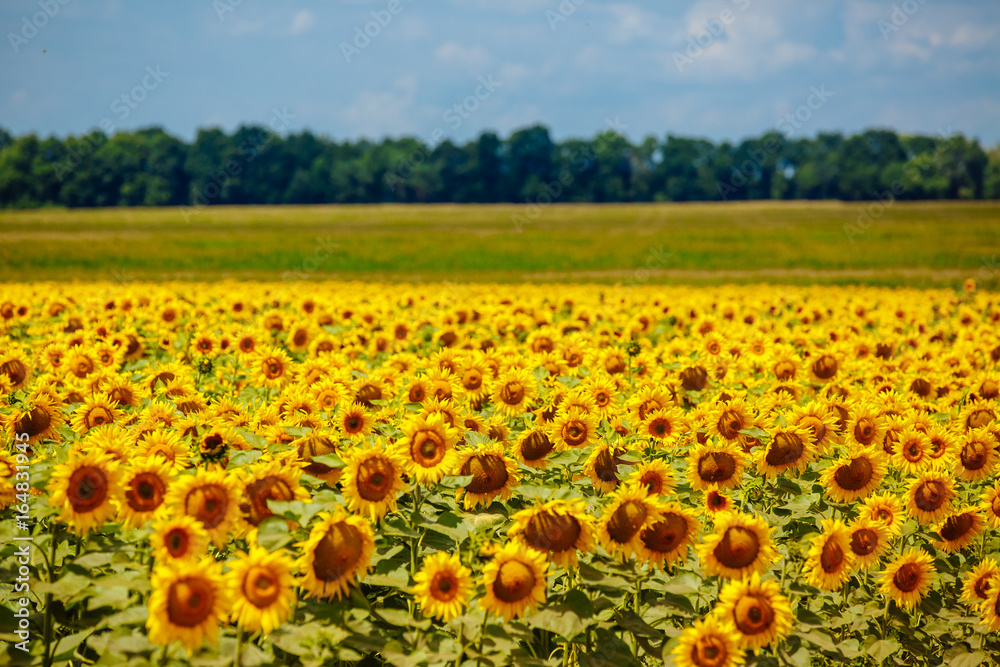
795 242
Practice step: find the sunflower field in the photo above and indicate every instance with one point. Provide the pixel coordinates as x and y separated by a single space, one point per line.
336 473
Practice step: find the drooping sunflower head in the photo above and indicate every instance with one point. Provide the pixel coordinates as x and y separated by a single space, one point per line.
830 559
443 586
790 448
262 588
630 510
86 488
493 474
740 545
188 603
908 577
855 475
715 466
602 466
373 479
533 448
272 480
960 529
559 528
339 548
756 610
514 581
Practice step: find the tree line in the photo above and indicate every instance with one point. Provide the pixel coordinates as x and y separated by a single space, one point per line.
254 165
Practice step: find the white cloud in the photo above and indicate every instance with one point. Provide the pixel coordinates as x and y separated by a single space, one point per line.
453 53
972 35
376 113
302 21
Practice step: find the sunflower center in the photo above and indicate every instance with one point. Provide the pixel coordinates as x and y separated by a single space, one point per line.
974 455
260 587
208 504
88 488
177 542
367 394
738 547
855 475
913 452
574 433
956 527
982 586
832 556
667 534
709 651
980 418
536 446
753 614
353 423
190 602
472 379
602 399
514 581
825 367
694 378
865 430
34 422
659 427
337 552
786 449
653 482
716 500
145 493
375 479
815 425
444 587
907 577
864 541
273 368
627 520
15 370
427 449
784 370
489 473
512 393
729 424
605 468
930 495
990 389
716 467
98 417
552 532
259 492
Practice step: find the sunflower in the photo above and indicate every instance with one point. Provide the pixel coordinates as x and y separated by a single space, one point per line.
189 603
602 467
339 547
716 502
15 367
39 417
886 509
662 425
929 497
212 497
356 421
977 414
514 581
942 444
979 581
271 367
373 479
730 417
667 539
869 540
820 420
740 545
262 589
708 643
573 429
178 538
789 448
603 391
631 510
991 505
559 528
978 456
273 480
96 410
493 475
715 466
912 454
756 610
474 380
533 448
830 559
908 577
513 391
960 529
86 488
656 476
429 445
443 586
854 476
145 485
865 428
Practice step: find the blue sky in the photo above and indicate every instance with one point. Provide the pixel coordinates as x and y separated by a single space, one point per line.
721 69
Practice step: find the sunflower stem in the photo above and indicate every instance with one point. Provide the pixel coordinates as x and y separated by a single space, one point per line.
48 623
239 647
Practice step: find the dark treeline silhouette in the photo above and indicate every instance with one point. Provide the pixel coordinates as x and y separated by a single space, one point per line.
253 165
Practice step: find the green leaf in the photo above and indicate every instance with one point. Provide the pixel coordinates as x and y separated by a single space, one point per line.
399 578
330 460
111 596
92 560
296 510
66 647
881 649
242 459
69 586
272 533
808 617
962 655
563 619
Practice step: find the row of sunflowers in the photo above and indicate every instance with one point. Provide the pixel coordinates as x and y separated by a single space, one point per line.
270 473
